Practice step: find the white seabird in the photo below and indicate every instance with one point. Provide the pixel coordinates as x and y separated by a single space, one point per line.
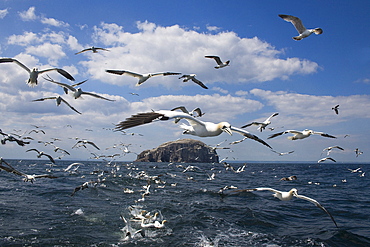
220 64
297 23
196 127
155 224
93 49
329 149
300 134
84 142
286 196
142 77
262 125
41 153
27 177
77 92
34 73
58 99
326 158
192 77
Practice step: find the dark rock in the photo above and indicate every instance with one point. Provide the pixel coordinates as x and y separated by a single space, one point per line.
184 150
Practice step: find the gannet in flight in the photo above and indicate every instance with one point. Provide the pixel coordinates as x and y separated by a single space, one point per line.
196 127
84 142
329 149
27 177
336 109
77 92
297 23
34 73
192 77
286 196
220 64
41 153
300 134
326 158
58 99
142 77
93 49
262 125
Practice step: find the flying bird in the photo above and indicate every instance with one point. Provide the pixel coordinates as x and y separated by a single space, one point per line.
10 138
336 109
329 149
297 23
77 92
281 154
326 158
34 73
192 77
220 64
358 152
84 142
59 100
300 134
196 127
41 153
142 77
286 196
27 177
262 125
93 49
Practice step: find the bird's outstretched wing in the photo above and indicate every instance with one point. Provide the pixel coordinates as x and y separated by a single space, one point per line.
138 119
10 60
199 83
297 23
317 204
249 135
96 96
216 58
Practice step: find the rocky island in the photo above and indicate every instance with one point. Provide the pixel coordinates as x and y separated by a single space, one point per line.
184 150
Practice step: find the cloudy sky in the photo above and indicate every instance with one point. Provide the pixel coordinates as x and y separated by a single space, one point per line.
269 72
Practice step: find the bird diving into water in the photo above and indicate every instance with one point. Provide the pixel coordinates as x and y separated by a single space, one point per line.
196 127
34 73
297 23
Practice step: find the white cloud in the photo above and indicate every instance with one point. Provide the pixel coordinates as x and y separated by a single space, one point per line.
310 110
28 15
53 52
221 90
53 22
155 48
3 13
212 28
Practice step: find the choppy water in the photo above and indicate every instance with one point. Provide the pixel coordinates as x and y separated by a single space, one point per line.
45 214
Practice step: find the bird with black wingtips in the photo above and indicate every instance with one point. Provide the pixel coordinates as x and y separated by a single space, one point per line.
34 73
286 196
262 125
58 100
42 153
192 77
300 134
142 77
93 49
302 30
220 64
196 127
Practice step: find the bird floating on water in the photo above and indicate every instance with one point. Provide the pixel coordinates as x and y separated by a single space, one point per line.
34 73
220 64
142 77
93 49
262 125
59 100
286 196
196 127
290 178
192 77
300 134
297 23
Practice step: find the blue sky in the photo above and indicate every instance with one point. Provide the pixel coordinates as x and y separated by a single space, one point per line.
269 72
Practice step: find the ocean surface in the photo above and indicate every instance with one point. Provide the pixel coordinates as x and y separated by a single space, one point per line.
45 213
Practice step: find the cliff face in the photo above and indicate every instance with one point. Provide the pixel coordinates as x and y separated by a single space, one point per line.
185 150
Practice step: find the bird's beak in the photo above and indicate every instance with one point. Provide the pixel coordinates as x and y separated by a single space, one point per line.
227 130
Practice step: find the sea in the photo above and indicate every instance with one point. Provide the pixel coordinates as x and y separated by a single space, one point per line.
200 203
